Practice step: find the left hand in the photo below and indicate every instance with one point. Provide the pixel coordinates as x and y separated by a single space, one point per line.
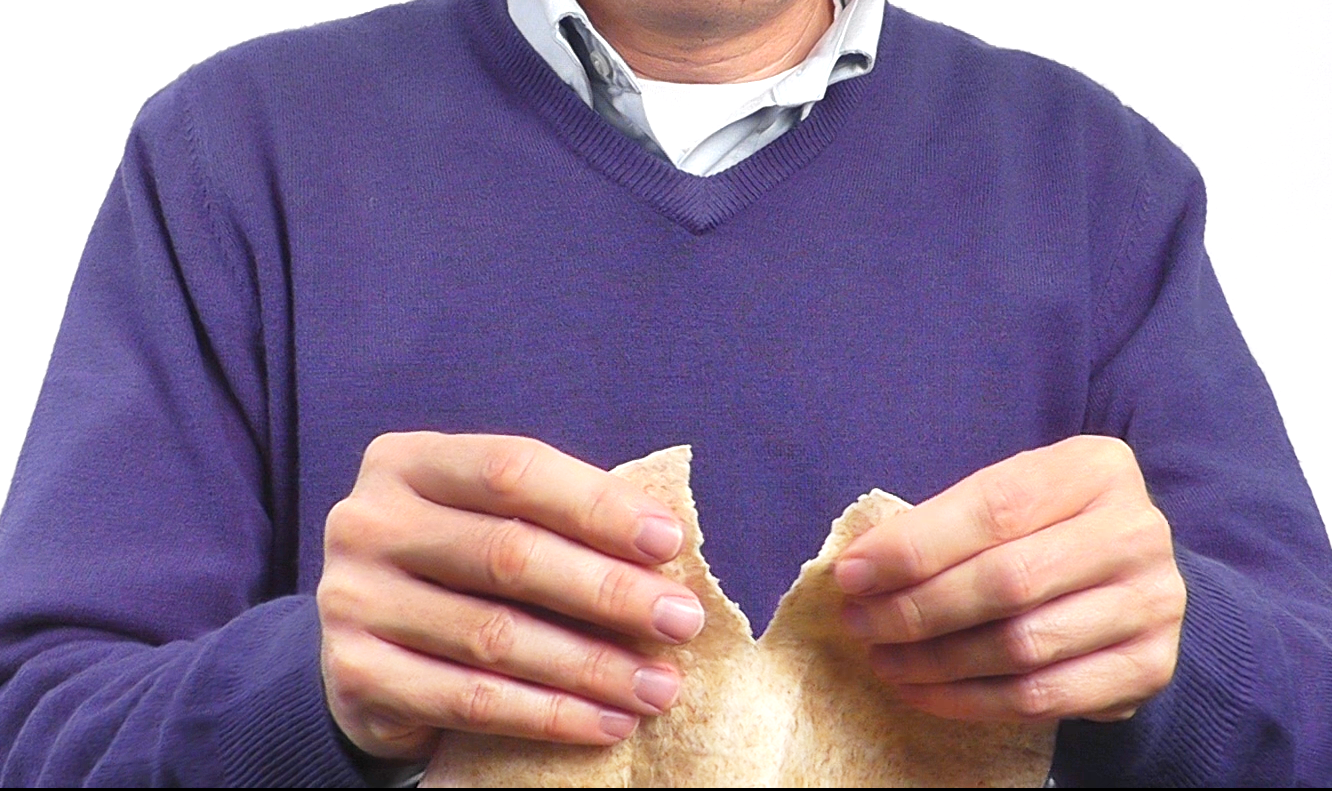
1042 587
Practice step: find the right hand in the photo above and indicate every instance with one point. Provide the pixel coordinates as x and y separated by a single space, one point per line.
459 578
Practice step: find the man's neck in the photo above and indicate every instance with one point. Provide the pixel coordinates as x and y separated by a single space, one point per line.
695 41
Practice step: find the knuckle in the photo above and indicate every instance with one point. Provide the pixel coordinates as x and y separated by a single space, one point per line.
911 618
401 737
351 524
492 643
508 463
1145 670
1022 646
1034 698
1158 679
1111 457
1112 451
344 512
598 503
909 556
1165 673
615 591
1134 540
1176 595
1157 666
554 722
1164 599
385 450
508 553
347 672
337 600
1154 523
1007 503
1014 586
478 704
596 668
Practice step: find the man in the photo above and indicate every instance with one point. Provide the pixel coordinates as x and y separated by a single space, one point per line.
333 236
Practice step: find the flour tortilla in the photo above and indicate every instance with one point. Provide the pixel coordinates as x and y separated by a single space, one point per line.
798 707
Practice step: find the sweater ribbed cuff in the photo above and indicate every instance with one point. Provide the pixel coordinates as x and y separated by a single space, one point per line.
1181 737
276 729
1213 689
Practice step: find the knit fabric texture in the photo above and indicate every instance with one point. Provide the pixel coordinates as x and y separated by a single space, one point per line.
406 221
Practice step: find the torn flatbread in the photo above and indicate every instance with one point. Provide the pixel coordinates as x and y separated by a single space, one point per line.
798 707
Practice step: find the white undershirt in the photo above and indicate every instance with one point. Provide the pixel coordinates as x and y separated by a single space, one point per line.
683 115
702 129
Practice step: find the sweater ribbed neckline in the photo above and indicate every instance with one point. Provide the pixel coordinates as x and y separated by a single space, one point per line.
697 203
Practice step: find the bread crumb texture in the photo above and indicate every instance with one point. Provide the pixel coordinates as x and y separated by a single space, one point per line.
797 708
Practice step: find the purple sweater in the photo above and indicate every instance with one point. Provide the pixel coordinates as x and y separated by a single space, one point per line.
405 221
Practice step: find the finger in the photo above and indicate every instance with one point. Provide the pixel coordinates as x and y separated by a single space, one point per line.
1105 685
398 701
1006 580
507 641
526 479
1068 627
1006 501
514 560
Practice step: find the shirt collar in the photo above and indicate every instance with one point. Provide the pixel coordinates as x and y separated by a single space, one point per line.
846 50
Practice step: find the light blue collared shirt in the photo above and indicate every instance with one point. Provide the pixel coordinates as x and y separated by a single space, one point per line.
562 34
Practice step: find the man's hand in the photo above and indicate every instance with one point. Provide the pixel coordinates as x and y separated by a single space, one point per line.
459 579
1041 587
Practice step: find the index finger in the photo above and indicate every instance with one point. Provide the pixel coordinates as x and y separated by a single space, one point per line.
998 504
527 479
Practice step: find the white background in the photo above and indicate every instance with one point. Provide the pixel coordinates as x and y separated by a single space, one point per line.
1247 94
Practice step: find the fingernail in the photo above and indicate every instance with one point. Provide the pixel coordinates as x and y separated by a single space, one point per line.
678 618
657 688
854 576
618 724
856 620
658 537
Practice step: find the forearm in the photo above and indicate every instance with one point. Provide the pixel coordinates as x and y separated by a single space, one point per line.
149 527
241 705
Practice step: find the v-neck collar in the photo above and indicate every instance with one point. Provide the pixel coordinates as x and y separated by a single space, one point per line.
697 203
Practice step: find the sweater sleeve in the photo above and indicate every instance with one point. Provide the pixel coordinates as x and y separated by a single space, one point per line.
150 630
1251 698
